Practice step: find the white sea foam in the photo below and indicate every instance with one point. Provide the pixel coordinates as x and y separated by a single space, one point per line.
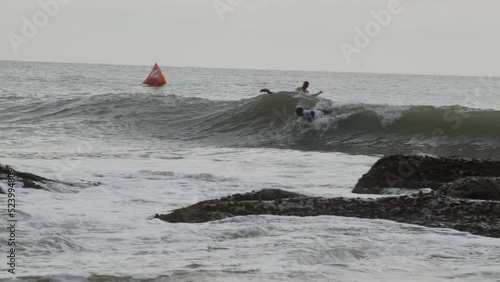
108 229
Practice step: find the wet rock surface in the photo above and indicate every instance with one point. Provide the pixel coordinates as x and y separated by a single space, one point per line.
415 172
429 209
26 180
29 180
478 188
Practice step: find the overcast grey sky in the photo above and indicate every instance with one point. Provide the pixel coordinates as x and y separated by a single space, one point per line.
421 36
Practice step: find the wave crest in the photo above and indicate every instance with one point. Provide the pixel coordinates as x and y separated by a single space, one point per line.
267 121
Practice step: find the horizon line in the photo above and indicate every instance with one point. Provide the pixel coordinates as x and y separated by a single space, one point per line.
257 69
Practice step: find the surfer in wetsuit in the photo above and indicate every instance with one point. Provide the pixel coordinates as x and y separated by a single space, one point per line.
310 115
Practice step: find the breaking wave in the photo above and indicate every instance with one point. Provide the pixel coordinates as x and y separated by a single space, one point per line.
268 121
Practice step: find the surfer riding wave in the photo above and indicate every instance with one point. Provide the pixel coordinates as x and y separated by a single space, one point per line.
310 115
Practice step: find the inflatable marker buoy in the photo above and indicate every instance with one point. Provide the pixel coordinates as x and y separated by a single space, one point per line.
155 77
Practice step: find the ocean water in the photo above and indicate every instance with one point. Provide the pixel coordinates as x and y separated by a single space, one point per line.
131 151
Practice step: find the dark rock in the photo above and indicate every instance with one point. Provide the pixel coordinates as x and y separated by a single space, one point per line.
415 172
431 209
28 180
479 188
211 209
264 195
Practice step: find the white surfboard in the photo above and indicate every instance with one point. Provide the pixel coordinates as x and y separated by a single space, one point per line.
316 94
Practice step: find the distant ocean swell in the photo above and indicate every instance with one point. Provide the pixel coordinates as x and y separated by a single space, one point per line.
267 121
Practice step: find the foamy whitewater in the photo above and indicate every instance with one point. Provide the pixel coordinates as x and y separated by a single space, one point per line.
133 151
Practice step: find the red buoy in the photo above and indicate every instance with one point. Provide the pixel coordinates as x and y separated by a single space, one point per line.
155 77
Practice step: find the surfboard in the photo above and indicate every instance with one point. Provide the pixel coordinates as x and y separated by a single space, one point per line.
307 95
265 90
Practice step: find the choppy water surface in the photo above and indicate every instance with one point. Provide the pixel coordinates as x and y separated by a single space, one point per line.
210 133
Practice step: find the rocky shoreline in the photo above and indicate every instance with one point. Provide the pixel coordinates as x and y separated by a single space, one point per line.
427 209
465 197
